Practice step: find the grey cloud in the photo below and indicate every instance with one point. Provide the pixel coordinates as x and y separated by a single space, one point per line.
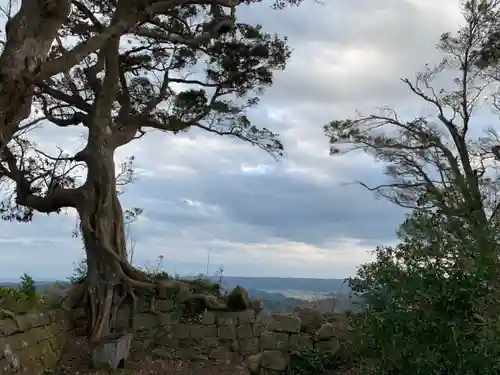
279 203
401 35
43 248
300 200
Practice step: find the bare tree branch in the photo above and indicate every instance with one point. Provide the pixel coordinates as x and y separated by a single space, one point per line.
434 162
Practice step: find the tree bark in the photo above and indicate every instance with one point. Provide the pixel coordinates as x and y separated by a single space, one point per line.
110 277
29 36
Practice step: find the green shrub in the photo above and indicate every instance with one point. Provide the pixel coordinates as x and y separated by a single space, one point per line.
203 284
159 275
27 286
311 362
433 302
20 299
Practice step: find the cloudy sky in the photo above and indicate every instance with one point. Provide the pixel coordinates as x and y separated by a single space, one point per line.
258 217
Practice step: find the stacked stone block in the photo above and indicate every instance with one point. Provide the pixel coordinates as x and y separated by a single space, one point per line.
32 342
265 340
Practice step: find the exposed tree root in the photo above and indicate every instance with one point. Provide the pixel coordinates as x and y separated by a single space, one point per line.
103 300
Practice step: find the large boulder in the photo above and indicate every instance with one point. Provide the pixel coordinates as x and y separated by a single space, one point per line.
238 299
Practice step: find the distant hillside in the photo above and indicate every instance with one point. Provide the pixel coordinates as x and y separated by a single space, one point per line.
299 284
263 283
277 302
334 291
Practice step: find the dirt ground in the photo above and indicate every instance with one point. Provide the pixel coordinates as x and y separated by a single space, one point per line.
76 360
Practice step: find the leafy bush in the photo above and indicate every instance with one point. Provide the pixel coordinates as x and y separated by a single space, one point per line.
433 302
11 294
311 362
20 299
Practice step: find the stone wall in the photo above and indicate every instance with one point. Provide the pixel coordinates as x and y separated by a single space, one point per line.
265 340
31 342
287 334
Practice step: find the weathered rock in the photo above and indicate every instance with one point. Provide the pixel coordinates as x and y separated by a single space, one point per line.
238 299
244 331
284 323
245 317
325 332
257 329
248 346
221 352
274 341
226 319
200 331
311 319
209 343
253 363
208 317
300 342
164 305
234 346
226 332
274 360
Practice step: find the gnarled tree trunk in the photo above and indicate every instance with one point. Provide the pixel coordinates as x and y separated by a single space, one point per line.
110 278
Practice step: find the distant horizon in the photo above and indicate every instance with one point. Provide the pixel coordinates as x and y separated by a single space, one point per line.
15 280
